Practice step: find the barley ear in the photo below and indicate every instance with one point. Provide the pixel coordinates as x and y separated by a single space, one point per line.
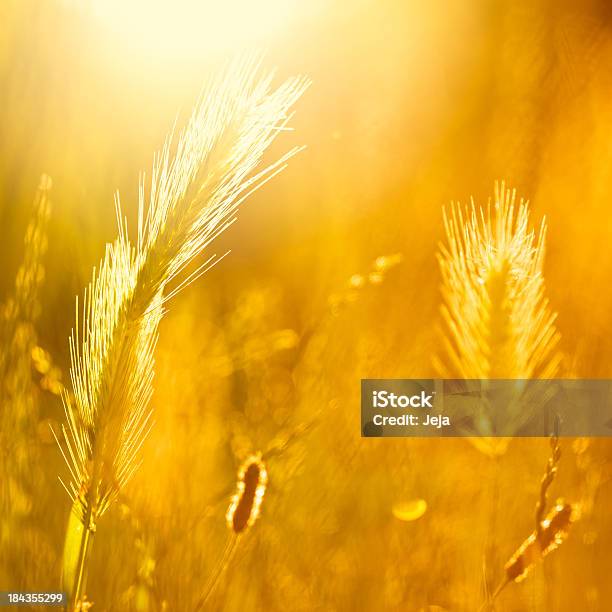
196 187
497 320
497 323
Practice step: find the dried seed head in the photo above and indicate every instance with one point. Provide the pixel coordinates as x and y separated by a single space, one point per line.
246 502
554 530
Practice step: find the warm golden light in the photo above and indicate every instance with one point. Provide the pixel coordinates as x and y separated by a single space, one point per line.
342 268
187 27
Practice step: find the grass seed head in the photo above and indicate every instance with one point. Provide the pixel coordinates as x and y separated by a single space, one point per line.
246 502
498 322
196 187
553 532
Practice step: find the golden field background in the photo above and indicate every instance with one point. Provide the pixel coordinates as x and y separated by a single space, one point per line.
412 105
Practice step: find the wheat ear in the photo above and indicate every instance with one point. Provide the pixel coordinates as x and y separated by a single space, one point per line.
497 318
193 196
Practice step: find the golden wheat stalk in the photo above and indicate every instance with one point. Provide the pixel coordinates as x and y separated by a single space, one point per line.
550 530
193 196
497 318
